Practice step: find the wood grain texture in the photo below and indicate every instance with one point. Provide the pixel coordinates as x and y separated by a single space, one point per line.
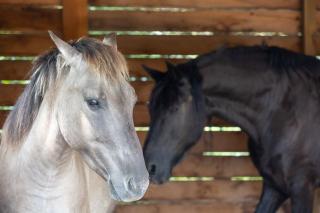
273 4
222 191
309 26
31 2
34 44
74 19
30 18
287 21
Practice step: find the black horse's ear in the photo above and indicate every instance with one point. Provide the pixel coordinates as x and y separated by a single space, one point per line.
170 66
155 74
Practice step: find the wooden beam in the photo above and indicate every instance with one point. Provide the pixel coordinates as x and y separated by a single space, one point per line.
75 19
309 26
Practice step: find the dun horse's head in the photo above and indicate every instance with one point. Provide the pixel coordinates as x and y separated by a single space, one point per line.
177 118
94 108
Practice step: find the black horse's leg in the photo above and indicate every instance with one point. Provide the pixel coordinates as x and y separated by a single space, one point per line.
302 196
270 199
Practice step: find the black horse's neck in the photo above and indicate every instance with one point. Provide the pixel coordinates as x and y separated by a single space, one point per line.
237 90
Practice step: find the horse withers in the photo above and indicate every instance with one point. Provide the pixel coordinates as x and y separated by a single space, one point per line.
70 141
271 93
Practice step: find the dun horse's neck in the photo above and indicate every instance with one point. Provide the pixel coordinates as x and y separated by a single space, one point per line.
237 94
50 176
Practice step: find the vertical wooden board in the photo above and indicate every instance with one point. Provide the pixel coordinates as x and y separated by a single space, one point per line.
75 19
309 26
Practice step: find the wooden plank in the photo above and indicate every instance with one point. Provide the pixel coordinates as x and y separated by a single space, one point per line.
197 44
75 19
18 70
30 18
309 26
220 190
190 206
24 44
31 2
287 21
220 167
214 141
34 44
3 116
14 70
272 4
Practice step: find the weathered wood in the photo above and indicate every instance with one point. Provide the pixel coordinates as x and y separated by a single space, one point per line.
220 167
18 70
221 191
14 70
192 206
214 141
31 2
75 19
287 21
309 26
34 44
271 4
30 18
188 206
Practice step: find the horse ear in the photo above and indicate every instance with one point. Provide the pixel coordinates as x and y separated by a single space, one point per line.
170 66
110 40
155 74
69 53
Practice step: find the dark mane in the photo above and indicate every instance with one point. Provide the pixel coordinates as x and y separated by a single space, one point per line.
168 87
279 59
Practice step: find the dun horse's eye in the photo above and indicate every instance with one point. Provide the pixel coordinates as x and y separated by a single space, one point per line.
93 103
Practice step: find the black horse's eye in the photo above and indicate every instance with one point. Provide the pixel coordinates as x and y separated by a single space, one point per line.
93 103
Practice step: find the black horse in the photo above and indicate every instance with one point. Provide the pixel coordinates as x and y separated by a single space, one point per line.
271 93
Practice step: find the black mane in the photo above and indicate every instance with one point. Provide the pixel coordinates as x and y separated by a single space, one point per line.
279 59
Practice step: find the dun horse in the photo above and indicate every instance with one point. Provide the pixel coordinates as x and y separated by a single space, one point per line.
271 93
70 140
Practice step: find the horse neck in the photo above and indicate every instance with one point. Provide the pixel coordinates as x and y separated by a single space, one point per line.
236 93
47 168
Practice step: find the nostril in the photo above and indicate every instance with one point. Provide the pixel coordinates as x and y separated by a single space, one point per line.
152 169
131 185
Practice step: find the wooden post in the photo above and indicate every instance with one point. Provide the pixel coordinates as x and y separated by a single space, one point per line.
75 19
309 26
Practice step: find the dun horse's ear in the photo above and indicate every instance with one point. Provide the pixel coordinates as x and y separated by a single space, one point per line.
69 53
155 74
110 40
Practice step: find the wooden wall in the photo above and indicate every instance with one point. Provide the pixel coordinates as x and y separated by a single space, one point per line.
150 32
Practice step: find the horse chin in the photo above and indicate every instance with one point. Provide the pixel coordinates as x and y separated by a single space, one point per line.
114 193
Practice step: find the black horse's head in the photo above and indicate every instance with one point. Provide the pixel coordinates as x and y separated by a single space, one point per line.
177 118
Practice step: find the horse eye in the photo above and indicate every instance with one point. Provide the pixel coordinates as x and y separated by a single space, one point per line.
93 103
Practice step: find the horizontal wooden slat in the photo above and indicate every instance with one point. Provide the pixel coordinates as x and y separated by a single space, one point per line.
222 191
36 44
14 70
197 44
215 141
189 206
219 167
29 18
18 70
38 2
24 44
286 21
275 4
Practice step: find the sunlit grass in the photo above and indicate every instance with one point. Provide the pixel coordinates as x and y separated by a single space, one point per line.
190 179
